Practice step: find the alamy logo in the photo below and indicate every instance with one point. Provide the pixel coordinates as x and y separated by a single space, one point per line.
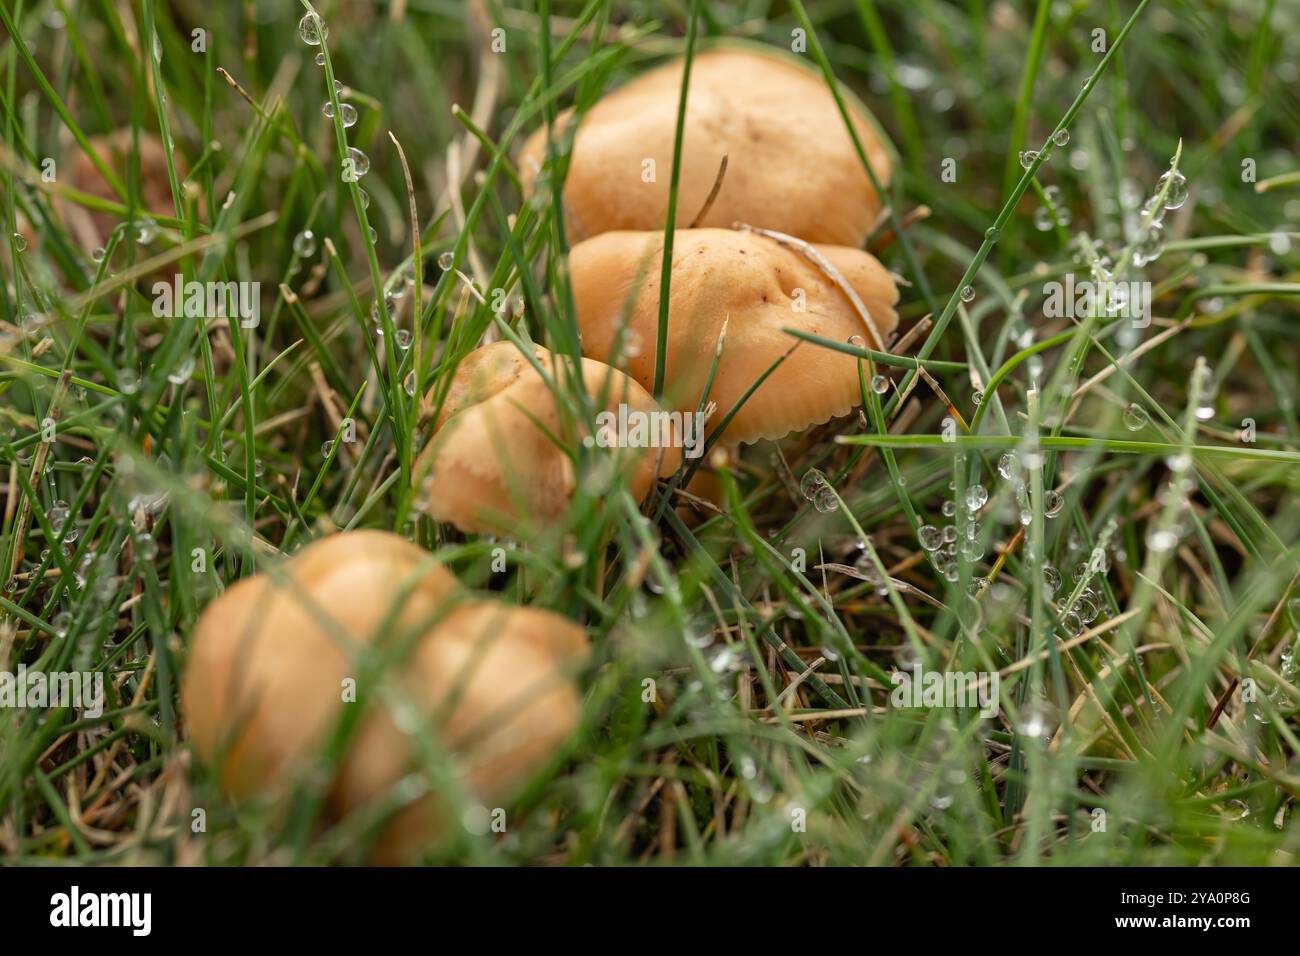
38 689
133 910
213 300
633 428
1086 297
922 688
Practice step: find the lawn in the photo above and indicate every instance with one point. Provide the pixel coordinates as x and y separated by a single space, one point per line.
1034 599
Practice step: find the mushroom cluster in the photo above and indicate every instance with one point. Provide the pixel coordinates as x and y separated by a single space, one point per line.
277 658
499 460
773 207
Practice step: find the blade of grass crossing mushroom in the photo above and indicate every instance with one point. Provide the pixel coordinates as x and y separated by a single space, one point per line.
670 223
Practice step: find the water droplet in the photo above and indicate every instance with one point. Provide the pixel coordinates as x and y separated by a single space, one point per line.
976 497
813 481
1036 719
1150 247
930 537
146 230
1009 465
1043 219
949 508
20 241
826 500
880 384
62 623
992 233
1177 189
326 447
356 165
1052 578
1135 417
183 372
127 383
977 398
146 547
1161 539
304 244
320 58
98 254
968 293
856 341
312 29
1027 157
446 260
259 468
402 339
408 384
631 343
1053 501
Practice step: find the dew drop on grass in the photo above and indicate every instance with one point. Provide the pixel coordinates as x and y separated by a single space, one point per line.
949 533
312 29
1051 578
98 254
127 383
1053 501
929 536
1043 219
1009 465
880 384
402 339
146 547
826 500
949 508
62 623
1135 417
1061 137
1151 246
1161 540
976 497
992 233
446 260
20 241
1027 157
356 165
326 447
856 341
146 230
968 293
1177 194
408 384
1035 720
977 398
259 468
320 58
304 244
813 481
183 372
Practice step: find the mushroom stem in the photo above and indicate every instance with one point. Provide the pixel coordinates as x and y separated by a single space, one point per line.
821 262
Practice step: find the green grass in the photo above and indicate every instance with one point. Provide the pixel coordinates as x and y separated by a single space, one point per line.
1183 537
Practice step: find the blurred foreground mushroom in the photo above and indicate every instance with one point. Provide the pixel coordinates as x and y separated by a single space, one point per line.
500 459
791 165
271 659
757 285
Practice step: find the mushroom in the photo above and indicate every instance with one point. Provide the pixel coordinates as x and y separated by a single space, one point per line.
791 165
270 660
500 457
758 284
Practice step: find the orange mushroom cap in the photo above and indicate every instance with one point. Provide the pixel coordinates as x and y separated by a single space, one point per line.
791 165
263 685
759 287
499 460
